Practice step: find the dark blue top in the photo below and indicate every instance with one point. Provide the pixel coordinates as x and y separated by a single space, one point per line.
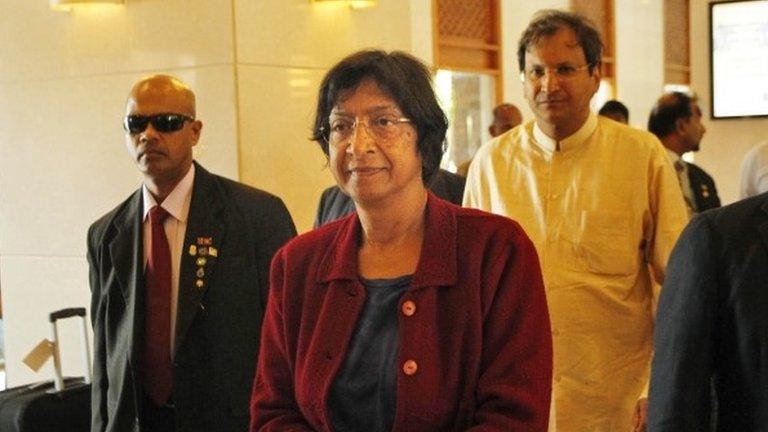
362 397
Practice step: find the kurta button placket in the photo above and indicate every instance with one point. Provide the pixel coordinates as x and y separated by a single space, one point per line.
410 367
409 308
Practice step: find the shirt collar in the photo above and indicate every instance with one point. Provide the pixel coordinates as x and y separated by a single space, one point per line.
569 142
674 157
177 202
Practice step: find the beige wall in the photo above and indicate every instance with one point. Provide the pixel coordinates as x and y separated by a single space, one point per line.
639 57
726 141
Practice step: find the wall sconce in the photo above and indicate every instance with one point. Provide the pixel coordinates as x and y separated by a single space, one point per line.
67 5
353 4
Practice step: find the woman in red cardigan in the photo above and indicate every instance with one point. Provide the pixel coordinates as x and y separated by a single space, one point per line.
413 314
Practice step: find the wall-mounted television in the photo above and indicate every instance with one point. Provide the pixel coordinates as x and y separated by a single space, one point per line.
739 58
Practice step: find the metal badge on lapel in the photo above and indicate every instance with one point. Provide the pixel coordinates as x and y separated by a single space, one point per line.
705 191
203 250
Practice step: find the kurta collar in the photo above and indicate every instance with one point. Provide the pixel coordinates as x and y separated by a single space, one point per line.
567 143
437 263
177 202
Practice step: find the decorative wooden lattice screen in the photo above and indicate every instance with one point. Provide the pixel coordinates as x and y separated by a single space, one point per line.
468 37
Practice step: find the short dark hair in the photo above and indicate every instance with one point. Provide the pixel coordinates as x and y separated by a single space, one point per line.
614 106
406 80
548 22
668 109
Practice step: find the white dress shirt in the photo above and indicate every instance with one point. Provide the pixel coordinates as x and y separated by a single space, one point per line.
681 168
754 171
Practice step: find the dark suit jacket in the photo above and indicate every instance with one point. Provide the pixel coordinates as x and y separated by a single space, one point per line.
335 204
703 187
712 324
217 326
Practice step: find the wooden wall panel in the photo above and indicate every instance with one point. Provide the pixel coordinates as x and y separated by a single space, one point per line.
677 57
468 37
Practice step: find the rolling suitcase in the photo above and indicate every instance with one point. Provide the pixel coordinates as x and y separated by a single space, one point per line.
61 405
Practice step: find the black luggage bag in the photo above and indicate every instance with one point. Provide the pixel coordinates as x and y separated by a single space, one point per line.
61 405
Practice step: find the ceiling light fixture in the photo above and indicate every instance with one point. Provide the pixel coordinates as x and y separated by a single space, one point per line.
354 4
67 5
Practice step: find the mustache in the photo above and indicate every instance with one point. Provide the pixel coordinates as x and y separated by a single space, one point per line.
148 150
547 99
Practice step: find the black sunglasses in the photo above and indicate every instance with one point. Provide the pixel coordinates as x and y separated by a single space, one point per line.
165 122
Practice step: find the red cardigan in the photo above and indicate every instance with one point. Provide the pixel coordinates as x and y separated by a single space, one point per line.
475 342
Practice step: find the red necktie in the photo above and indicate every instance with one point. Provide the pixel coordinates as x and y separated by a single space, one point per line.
158 371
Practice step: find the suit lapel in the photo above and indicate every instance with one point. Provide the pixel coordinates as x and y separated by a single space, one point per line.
126 251
202 244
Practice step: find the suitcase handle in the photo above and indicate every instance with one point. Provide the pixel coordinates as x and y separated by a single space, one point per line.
66 313
54 317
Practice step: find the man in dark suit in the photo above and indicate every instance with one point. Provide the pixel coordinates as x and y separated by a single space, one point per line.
712 323
335 204
179 280
676 121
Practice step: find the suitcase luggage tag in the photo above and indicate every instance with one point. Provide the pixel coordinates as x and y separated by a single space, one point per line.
50 348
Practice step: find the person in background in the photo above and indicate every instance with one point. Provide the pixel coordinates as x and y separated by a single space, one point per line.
412 313
676 120
615 110
601 203
178 276
505 117
710 347
754 171
335 204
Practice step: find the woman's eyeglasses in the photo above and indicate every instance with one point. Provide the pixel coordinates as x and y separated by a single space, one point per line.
384 127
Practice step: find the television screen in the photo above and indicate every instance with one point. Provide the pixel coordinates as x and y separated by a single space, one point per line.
739 58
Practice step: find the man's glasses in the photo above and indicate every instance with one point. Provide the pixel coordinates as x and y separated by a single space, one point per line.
384 127
562 72
165 122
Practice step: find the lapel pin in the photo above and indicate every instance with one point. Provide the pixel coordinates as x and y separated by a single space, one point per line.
213 252
204 241
192 250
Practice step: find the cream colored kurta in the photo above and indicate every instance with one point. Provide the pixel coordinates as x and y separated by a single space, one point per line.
602 211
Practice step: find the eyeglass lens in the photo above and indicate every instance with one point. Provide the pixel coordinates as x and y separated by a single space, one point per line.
383 127
160 122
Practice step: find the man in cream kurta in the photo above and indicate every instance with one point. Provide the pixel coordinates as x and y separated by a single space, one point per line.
601 202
